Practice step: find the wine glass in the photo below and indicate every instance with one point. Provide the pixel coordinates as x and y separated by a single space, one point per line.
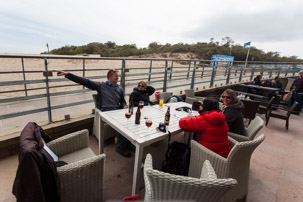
127 115
148 123
141 104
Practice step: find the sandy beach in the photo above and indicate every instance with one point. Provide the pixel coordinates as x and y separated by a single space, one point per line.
11 70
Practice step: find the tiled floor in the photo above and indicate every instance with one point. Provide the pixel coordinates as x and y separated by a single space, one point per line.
276 173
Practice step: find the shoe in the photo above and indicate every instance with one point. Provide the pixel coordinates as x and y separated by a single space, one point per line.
131 147
123 151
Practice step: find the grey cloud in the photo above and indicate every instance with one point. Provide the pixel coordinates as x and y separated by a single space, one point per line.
273 26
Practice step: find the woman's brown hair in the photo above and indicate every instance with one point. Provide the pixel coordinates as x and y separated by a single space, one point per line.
232 94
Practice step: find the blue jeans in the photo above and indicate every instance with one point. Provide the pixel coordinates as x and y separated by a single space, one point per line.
122 142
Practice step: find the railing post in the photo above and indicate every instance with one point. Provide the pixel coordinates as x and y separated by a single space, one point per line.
49 109
165 77
150 70
24 79
279 71
270 73
203 67
236 69
212 77
286 71
171 70
122 83
252 73
262 71
188 69
293 67
83 69
228 76
241 73
192 83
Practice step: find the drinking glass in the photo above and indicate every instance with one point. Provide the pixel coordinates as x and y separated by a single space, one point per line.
141 104
148 123
161 103
127 115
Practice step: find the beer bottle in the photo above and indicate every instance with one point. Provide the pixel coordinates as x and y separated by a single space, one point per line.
131 106
167 116
138 115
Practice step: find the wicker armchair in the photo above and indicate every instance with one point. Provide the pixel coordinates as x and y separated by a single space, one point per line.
160 186
250 132
165 96
190 96
82 178
236 165
109 131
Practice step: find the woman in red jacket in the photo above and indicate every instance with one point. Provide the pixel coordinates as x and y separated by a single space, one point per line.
211 126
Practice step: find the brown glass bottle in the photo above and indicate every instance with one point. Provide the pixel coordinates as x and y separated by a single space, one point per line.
131 107
167 116
138 116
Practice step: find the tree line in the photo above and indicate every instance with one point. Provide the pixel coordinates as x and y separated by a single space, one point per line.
202 50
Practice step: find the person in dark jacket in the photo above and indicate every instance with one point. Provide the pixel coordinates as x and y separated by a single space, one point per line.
276 83
36 174
297 93
211 127
142 93
257 80
110 97
233 112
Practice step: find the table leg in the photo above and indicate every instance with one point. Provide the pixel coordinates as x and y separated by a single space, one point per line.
137 167
101 135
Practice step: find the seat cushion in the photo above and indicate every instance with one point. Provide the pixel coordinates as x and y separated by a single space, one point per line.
77 155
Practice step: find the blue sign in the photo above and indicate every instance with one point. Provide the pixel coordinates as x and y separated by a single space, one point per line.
221 61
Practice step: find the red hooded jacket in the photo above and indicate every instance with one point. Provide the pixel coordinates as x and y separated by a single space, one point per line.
212 129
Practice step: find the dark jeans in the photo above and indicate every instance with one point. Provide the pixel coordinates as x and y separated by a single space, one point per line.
299 98
122 142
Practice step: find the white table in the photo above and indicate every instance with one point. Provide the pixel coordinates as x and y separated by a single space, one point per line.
138 134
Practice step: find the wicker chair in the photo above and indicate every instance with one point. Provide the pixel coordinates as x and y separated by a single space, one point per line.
165 96
82 178
281 113
250 132
190 97
236 165
160 186
109 131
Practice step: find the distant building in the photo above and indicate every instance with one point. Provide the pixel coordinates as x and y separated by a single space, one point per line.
221 61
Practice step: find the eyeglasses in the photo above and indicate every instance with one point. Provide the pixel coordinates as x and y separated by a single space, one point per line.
227 97
140 86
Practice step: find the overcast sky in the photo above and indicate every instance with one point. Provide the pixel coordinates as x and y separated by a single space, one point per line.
271 25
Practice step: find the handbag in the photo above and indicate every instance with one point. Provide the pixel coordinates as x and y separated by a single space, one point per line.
177 158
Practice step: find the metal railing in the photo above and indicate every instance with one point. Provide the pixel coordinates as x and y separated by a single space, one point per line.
28 78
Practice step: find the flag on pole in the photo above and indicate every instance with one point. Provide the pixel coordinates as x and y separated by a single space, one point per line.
246 44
